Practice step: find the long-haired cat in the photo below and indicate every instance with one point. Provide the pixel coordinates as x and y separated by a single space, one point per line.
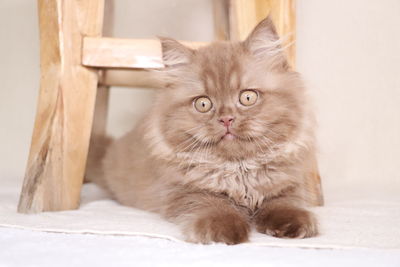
226 144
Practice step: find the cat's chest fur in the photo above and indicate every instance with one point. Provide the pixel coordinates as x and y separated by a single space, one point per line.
247 182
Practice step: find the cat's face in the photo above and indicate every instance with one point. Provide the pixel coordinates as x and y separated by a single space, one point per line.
234 100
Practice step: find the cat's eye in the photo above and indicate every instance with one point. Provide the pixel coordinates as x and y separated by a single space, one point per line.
202 104
248 97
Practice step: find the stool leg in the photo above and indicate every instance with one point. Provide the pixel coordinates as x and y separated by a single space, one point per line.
101 111
103 91
60 140
316 196
221 19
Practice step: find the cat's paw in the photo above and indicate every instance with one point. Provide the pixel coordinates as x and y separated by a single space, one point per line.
287 222
220 227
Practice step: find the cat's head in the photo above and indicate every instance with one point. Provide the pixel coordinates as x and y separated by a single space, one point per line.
230 99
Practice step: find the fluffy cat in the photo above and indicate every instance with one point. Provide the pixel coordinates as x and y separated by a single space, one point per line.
226 145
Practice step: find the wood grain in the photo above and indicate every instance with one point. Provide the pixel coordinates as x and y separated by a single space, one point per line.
314 186
283 14
140 78
221 19
101 111
103 91
60 140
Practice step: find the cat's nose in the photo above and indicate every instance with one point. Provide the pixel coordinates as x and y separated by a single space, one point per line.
226 121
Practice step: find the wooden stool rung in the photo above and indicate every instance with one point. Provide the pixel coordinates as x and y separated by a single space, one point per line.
124 53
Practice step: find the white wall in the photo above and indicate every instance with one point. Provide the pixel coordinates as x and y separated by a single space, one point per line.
19 79
348 51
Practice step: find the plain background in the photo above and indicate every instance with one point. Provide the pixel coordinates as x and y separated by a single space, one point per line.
347 50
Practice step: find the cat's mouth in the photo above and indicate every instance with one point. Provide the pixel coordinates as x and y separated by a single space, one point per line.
229 136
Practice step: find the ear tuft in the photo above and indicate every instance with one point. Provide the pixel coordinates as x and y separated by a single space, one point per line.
174 53
263 39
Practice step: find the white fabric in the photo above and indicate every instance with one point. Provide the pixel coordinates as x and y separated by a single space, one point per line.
29 248
344 224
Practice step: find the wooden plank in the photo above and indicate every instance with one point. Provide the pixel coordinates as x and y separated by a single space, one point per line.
313 182
101 111
221 19
283 14
245 14
131 78
60 140
121 53
124 53
103 91
243 17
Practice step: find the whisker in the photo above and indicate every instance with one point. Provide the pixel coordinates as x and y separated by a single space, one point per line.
267 142
191 137
193 153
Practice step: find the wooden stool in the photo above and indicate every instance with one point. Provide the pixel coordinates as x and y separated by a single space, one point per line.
76 61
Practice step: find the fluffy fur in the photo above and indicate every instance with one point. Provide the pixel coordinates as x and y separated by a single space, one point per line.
179 163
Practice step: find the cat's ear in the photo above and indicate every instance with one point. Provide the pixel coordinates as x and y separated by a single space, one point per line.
264 41
174 53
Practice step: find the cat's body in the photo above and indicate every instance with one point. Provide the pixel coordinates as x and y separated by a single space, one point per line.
228 143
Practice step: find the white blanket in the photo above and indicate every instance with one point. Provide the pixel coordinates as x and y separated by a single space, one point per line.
349 223
31 248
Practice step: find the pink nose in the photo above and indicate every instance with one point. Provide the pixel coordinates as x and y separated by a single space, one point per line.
226 121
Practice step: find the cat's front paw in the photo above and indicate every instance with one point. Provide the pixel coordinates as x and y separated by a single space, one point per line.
287 222
220 227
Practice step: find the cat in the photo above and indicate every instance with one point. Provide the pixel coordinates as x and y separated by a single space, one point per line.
225 145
